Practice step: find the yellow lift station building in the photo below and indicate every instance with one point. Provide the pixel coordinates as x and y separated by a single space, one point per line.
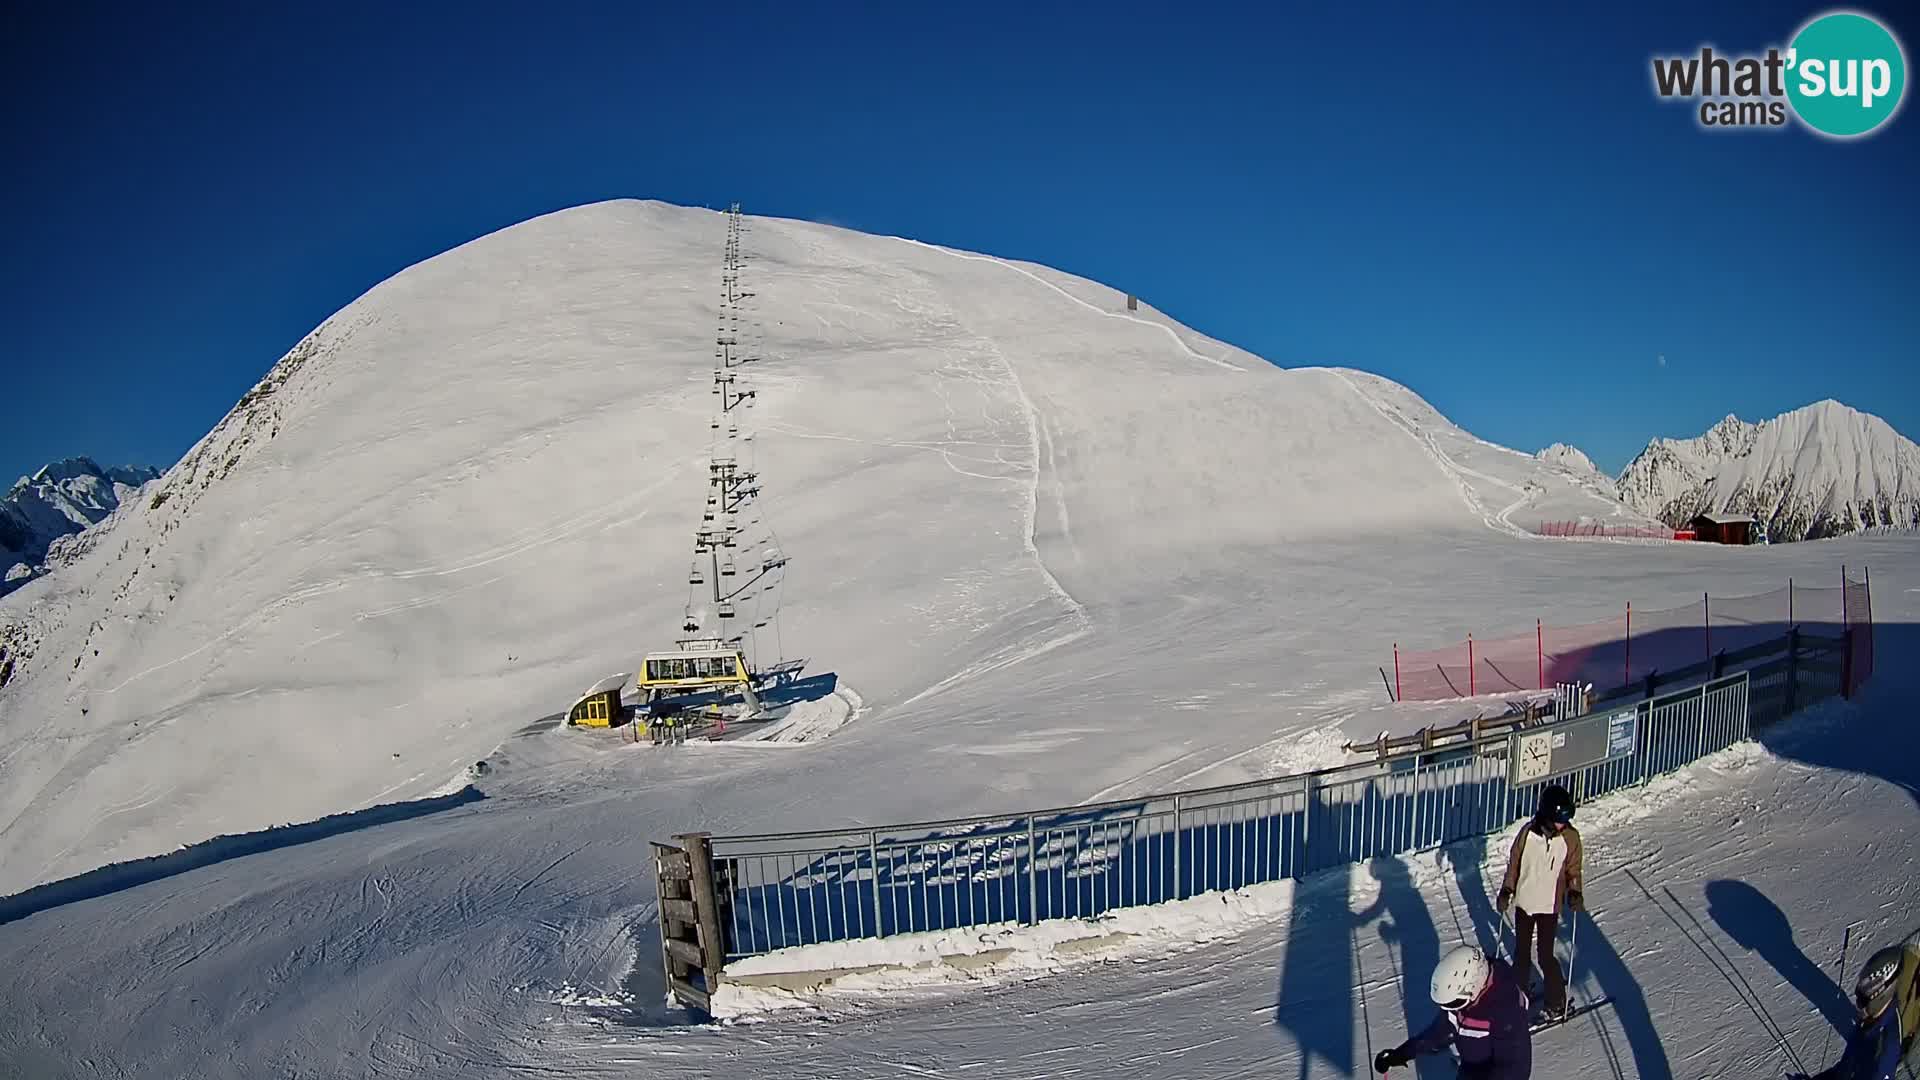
600 706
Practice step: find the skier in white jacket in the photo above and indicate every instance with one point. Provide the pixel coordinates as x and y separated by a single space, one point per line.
1543 876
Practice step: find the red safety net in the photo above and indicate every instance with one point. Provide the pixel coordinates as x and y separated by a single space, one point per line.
1859 619
1614 652
1610 532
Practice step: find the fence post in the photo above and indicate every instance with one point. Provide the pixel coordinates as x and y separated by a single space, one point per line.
1472 690
1789 601
1306 828
700 859
873 859
1626 676
1719 664
1650 678
1706 612
1846 663
1398 694
1846 639
1179 882
1540 654
1033 874
1793 672
1866 595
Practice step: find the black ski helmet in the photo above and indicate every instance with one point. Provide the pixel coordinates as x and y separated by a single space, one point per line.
1873 991
1556 806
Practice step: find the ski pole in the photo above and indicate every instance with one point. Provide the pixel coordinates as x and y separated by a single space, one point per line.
1573 953
1840 980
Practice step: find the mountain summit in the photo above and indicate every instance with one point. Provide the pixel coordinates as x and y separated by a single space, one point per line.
61 499
1822 470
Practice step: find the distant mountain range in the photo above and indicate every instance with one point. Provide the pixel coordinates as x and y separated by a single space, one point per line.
61 500
1823 470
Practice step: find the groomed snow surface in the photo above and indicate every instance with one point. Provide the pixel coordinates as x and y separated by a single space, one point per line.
1050 551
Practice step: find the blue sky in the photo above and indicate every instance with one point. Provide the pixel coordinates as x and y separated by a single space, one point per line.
1492 209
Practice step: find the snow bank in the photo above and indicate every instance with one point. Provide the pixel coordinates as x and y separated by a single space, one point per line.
799 977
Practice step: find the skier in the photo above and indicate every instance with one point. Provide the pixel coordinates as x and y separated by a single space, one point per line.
1887 997
1543 872
1483 1017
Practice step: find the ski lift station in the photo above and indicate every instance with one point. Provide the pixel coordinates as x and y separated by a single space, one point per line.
732 582
600 706
700 664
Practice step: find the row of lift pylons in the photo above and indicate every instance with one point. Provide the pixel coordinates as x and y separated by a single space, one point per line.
709 678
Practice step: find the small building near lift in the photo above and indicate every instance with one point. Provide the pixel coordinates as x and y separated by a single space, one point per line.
600 706
1723 528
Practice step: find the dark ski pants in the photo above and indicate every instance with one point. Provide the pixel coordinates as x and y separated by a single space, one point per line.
1525 928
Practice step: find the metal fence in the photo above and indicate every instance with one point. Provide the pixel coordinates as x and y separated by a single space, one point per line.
781 890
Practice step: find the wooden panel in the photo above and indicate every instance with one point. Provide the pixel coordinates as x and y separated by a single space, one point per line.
678 910
686 952
700 855
676 868
690 994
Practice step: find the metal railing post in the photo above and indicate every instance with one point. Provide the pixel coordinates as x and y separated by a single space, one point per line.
1179 882
1033 876
1300 862
873 861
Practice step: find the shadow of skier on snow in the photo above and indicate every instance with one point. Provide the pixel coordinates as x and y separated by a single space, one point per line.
1413 948
1315 1001
1757 925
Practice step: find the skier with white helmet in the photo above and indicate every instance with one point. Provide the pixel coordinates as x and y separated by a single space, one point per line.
1483 1016
1886 998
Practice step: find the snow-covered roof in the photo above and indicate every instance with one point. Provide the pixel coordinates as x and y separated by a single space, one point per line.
611 682
1726 519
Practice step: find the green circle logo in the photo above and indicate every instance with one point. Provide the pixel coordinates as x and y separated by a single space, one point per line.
1846 74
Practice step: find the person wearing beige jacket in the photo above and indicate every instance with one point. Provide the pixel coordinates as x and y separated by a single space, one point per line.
1543 876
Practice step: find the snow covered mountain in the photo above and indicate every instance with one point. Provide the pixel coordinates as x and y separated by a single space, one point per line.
1064 551
1822 470
61 500
471 492
1571 458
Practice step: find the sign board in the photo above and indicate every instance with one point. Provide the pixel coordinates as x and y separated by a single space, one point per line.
1571 745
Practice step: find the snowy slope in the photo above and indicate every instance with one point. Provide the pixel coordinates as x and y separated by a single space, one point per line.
512 936
1061 551
467 495
60 500
1512 492
1821 470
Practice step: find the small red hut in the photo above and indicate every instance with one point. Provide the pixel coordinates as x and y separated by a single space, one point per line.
1723 528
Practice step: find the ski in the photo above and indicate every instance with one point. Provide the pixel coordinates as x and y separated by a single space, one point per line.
1572 1013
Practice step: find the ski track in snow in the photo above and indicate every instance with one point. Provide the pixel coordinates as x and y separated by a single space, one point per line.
1030 275
1502 521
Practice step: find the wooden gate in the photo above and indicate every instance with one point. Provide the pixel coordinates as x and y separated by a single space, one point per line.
692 950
